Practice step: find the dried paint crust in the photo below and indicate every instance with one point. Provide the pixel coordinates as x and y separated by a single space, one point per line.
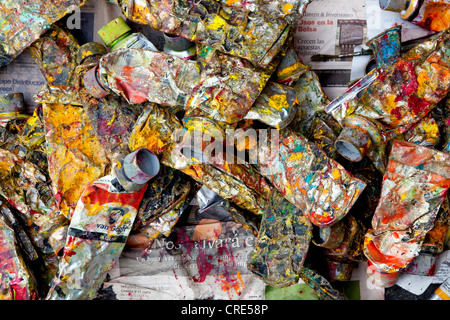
282 243
314 183
254 36
414 187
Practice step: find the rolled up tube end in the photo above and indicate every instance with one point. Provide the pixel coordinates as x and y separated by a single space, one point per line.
141 165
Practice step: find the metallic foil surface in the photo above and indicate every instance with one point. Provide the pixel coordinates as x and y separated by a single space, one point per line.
98 230
282 243
254 36
414 187
145 75
16 280
22 23
309 179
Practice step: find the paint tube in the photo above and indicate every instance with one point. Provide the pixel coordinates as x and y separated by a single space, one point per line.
386 47
16 281
304 174
282 243
323 288
219 86
166 198
429 14
342 247
254 36
75 155
389 107
30 142
23 23
290 68
425 263
425 132
414 187
100 225
312 100
116 34
443 292
144 75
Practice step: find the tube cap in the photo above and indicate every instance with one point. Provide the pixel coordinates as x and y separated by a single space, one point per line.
113 30
141 165
90 49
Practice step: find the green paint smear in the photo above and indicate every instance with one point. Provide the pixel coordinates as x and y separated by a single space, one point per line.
299 291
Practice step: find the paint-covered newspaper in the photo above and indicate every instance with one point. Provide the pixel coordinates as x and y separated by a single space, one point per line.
204 257
331 27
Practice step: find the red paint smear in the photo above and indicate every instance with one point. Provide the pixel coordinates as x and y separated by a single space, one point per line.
133 95
229 281
204 267
184 239
417 105
411 85
396 113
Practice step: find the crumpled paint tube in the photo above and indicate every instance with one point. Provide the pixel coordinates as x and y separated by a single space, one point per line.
425 132
145 75
12 118
282 243
414 187
25 244
113 120
154 130
220 87
386 46
311 100
30 143
16 280
389 107
254 36
227 186
100 225
26 189
23 23
227 87
75 155
343 247
55 52
314 183
320 284
425 263
165 199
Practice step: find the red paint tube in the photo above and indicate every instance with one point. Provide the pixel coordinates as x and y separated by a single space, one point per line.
414 187
100 226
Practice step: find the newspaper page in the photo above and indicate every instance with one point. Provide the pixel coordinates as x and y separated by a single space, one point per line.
23 74
206 259
417 284
331 27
